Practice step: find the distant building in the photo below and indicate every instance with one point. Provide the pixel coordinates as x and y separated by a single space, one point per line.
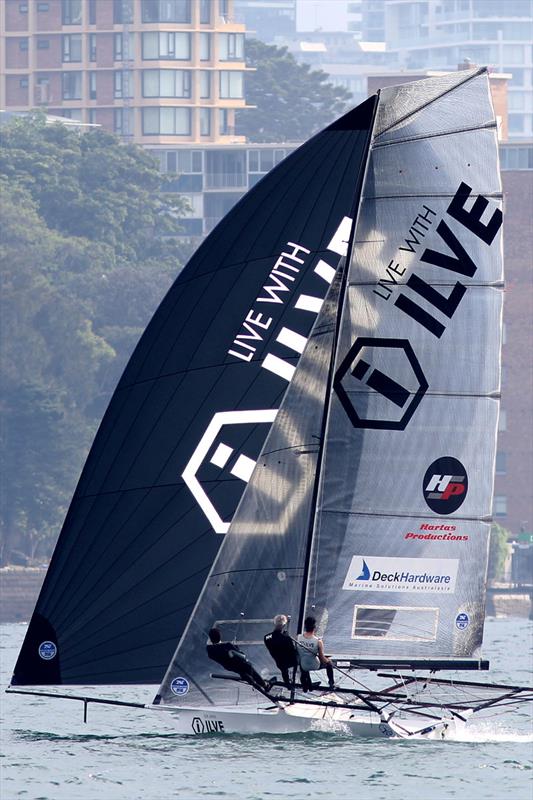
438 34
155 71
267 20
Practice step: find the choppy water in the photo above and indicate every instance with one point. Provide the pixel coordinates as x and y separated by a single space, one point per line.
128 754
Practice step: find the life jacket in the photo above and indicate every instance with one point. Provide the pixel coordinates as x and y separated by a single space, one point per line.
308 652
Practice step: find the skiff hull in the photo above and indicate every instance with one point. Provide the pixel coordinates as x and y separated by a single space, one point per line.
299 718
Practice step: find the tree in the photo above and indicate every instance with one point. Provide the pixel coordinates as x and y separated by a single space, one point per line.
293 101
88 248
498 551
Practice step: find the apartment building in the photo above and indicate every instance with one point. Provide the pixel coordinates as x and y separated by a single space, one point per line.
154 71
438 34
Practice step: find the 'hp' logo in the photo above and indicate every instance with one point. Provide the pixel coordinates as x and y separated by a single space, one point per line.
445 485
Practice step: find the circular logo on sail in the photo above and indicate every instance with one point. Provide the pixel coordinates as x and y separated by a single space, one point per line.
445 485
180 686
47 650
462 621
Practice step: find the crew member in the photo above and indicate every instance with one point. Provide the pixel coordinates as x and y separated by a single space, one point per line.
311 655
231 657
282 649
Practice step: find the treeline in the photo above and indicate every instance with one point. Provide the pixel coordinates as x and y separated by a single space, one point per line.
87 249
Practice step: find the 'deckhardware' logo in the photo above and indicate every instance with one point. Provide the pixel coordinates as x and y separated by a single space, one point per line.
445 485
386 574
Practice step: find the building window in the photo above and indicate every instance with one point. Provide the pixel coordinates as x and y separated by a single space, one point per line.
253 161
205 84
502 420
205 11
166 83
92 12
122 121
223 8
223 122
71 85
205 47
43 44
122 11
72 47
123 46
23 44
92 116
23 8
499 506
166 10
231 85
71 12
501 463
118 46
121 84
42 8
231 46
166 121
205 122
23 83
175 46
92 47
92 85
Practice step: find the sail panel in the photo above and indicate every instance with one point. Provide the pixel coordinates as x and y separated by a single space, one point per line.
192 410
461 101
415 167
259 570
401 105
411 438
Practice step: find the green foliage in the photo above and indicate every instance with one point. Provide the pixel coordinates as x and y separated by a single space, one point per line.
87 251
497 551
293 101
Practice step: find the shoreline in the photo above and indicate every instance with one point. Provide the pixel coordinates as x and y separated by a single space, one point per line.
20 586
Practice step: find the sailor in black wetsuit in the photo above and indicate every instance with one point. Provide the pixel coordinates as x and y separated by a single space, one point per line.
282 648
231 657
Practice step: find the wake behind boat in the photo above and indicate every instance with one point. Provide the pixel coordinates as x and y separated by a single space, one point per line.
356 357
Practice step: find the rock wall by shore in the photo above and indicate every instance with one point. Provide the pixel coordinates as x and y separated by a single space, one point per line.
19 589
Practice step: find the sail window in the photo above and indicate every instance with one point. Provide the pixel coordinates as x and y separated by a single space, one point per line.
395 623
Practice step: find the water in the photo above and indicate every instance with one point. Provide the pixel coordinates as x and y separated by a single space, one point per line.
125 754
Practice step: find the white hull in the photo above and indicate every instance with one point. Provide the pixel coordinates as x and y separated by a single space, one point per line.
300 718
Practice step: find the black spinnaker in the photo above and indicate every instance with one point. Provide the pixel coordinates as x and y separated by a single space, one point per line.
188 419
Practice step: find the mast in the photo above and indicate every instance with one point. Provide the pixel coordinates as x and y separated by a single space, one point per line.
331 373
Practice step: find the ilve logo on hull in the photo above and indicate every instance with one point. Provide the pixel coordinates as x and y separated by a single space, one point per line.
445 485
379 574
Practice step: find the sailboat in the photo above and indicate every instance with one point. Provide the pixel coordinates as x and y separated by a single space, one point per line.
307 426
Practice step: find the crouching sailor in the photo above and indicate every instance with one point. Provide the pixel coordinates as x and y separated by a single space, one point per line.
282 649
231 657
311 654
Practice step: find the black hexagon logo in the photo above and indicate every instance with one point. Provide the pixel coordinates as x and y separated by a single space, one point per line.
398 384
197 725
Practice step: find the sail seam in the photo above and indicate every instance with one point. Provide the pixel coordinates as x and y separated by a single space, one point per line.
422 136
471 77
495 195
484 518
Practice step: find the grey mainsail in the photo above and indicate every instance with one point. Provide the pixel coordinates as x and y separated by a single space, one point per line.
401 534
